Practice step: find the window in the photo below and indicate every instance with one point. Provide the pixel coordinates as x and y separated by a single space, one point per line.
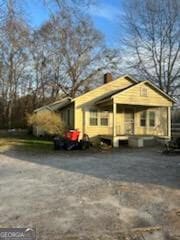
99 118
93 118
148 117
104 118
143 119
152 119
143 92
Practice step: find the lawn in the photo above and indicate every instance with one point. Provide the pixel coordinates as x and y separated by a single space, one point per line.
26 142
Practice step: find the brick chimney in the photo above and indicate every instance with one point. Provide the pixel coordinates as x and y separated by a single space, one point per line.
107 77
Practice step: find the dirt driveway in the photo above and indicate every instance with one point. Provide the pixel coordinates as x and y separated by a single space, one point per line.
83 195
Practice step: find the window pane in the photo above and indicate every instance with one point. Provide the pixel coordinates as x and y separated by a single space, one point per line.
143 122
93 118
93 114
151 119
151 123
143 114
104 114
143 119
93 121
104 121
104 118
151 115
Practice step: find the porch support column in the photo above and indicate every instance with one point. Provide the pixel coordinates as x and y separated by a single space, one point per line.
114 124
84 121
169 122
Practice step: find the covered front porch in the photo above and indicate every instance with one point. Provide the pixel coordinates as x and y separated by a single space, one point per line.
135 122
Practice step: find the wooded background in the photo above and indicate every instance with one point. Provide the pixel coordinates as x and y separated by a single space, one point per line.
67 55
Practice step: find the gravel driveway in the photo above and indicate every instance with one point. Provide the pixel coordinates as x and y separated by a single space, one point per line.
84 195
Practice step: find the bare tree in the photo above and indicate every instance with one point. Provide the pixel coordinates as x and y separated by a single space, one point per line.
64 57
74 53
14 57
152 41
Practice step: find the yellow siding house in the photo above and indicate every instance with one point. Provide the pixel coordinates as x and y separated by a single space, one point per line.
121 109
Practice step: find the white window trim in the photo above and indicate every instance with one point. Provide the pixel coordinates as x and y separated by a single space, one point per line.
98 118
155 119
145 119
89 117
148 119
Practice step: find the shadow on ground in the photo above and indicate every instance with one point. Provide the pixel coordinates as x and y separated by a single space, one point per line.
145 166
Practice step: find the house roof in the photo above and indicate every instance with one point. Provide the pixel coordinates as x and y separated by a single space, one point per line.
61 103
111 96
55 105
42 108
66 101
109 84
113 93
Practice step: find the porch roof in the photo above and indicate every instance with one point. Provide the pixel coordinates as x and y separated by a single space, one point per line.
113 95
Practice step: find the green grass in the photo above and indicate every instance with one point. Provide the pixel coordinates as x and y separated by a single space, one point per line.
25 143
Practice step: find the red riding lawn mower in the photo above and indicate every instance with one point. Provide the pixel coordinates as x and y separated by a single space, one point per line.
70 141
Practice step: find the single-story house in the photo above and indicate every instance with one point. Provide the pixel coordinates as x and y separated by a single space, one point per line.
121 109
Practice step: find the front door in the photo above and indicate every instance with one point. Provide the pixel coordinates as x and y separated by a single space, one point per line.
129 121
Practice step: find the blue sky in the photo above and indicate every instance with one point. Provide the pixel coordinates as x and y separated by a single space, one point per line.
105 15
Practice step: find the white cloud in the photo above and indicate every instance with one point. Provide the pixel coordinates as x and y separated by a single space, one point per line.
106 11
